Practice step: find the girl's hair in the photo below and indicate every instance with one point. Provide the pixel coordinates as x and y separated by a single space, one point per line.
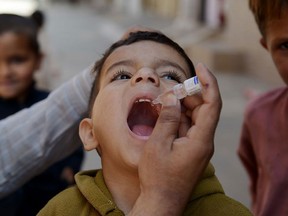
266 10
133 38
21 26
39 18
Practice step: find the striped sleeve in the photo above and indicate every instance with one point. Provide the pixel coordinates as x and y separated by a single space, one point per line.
35 138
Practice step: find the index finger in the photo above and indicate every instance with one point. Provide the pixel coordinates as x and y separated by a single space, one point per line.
209 111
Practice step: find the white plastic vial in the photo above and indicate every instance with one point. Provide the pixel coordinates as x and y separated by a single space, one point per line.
188 87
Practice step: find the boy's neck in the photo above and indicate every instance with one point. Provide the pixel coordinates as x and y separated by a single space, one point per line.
124 187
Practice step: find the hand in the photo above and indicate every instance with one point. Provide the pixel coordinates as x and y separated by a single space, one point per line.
171 165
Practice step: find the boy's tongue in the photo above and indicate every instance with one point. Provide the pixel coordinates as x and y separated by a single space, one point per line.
142 130
142 118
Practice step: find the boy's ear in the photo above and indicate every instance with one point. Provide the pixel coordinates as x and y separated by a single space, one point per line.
263 43
87 135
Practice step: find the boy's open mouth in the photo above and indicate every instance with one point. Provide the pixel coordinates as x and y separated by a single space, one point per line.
142 117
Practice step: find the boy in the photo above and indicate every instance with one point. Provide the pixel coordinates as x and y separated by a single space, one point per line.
128 131
264 141
48 142
20 58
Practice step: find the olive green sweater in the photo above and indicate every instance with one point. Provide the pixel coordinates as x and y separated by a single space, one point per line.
91 197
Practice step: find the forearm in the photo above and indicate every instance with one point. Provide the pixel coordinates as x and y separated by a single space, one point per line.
34 138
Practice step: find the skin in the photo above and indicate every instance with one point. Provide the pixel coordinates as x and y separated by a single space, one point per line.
276 42
18 62
141 171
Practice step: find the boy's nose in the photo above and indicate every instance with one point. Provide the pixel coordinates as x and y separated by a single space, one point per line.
146 75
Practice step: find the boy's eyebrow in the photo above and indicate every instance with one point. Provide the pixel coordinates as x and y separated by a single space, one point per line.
280 39
124 63
162 62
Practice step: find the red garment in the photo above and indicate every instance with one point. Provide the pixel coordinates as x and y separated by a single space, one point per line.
264 152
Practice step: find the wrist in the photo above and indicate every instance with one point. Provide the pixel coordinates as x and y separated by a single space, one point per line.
159 204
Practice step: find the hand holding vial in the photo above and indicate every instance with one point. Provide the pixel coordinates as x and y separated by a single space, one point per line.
180 146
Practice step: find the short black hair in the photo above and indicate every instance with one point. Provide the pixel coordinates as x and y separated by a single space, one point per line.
133 38
22 26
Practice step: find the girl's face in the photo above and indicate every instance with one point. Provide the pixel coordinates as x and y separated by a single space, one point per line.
18 62
123 116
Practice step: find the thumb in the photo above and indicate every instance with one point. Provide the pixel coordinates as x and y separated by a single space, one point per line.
167 125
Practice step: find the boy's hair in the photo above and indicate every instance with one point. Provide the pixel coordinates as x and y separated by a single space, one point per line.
133 38
21 26
266 10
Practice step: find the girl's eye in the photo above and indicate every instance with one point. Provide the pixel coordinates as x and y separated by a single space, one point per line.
17 59
121 75
172 75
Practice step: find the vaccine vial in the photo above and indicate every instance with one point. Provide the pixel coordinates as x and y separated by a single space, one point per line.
188 87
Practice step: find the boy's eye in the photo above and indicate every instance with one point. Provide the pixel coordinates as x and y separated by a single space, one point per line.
172 75
121 75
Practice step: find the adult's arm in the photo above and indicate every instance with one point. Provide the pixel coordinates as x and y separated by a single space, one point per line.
35 138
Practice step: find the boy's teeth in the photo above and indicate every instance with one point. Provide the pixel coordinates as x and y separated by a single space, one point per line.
143 100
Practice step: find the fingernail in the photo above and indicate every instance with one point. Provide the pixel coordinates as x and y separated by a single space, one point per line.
169 100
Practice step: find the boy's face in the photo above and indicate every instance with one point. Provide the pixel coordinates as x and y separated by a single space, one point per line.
123 116
276 43
18 62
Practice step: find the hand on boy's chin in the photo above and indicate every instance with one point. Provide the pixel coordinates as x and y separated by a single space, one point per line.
166 160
